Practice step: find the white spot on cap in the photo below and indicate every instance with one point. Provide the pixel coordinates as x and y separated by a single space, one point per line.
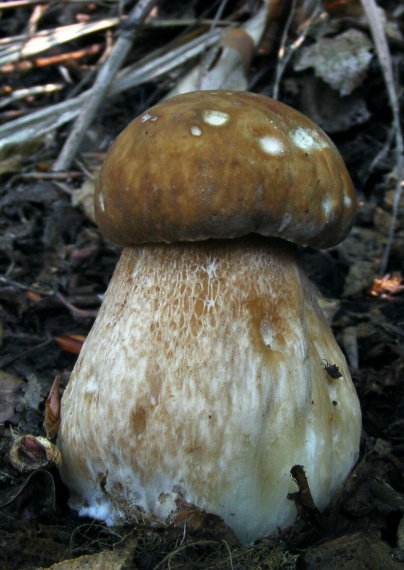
308 139
215 118
347 201
196 131
154 118
101 202
271 145
146 117
327 206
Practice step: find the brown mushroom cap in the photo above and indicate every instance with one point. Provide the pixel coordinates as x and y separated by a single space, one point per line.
223 164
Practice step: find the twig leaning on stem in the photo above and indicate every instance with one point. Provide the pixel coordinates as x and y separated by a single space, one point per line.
102 83
383 53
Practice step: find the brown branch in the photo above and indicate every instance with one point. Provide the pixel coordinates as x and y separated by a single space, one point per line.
50 60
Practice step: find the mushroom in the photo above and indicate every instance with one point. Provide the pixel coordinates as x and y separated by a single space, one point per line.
203 377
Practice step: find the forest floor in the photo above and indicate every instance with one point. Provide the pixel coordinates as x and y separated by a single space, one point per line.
55 267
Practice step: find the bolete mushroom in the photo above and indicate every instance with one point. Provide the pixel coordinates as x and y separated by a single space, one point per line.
203 377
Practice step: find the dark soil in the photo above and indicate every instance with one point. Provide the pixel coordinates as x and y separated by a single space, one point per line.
55 267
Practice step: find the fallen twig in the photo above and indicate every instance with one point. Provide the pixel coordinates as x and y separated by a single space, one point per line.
101 85
383 54
47 120
285 51
22 47
26 65
30 92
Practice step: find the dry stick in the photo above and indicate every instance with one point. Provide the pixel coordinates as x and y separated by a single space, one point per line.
50 118
18 3
285 52
29 91
27 65
19 47
383 53
101 85
283 57
209 55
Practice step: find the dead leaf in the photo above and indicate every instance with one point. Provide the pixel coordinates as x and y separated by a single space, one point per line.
10 165
351 551
198 521
121 557
36 493
341 61
70 342
327 108
11 396
52 411
387 286
360 277
83 197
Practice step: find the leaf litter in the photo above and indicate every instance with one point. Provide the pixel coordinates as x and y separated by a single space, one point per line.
56 266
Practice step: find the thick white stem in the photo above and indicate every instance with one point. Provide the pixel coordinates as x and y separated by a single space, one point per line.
203 378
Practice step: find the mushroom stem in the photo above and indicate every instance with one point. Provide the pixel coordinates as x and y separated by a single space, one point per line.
203 379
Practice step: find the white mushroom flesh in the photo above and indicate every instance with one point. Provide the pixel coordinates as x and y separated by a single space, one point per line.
203 379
